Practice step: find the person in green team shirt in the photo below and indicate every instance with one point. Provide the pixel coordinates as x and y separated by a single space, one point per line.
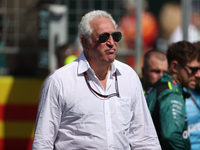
166 97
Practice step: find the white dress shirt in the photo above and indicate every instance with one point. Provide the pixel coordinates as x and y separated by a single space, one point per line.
72 117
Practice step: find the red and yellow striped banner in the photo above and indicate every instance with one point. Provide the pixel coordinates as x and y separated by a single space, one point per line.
19 98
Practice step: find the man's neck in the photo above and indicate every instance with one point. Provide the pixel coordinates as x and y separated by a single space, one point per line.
102 74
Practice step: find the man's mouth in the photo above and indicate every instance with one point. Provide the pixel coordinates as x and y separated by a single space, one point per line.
110 51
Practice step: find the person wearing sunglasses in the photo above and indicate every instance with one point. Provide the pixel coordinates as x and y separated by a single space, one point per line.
95 102
167 99
193 109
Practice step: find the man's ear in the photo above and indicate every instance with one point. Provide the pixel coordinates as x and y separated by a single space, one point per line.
84 42
174 66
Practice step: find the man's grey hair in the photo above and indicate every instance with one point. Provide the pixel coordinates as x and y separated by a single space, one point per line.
84 28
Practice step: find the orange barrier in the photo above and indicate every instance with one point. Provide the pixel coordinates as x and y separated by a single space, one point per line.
19 98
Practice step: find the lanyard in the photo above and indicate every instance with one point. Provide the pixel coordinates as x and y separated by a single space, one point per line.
194 100
104 96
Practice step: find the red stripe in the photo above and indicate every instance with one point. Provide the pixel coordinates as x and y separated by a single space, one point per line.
16 144
18 112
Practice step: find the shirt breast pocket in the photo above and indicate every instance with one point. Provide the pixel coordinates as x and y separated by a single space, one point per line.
123 110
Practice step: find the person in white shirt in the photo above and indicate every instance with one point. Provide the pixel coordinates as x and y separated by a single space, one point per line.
94 102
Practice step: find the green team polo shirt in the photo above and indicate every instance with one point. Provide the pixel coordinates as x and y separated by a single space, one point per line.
166 103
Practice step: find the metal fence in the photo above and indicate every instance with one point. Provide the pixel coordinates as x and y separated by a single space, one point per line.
24 27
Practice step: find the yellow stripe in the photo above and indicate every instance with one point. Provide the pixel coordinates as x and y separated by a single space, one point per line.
16 129
5 86
20 90
170 85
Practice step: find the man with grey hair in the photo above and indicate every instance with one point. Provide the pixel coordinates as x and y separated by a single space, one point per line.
95 102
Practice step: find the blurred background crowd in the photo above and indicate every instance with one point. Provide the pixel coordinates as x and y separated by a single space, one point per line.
38 36
32 30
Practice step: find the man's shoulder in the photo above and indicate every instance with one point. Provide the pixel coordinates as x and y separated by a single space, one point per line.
168 89
168 82
68 71
166 85
124 67
121 64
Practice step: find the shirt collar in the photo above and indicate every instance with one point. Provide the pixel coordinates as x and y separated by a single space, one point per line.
83 65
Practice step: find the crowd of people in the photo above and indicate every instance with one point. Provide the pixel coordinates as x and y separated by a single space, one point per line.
98 102
166 97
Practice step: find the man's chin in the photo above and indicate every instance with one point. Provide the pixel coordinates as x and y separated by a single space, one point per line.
192 86
110 60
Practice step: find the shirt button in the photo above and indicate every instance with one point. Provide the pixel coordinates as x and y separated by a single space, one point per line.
106 113
108 129
110 146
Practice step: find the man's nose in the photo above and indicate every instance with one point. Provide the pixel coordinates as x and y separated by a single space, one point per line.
197 75
110 41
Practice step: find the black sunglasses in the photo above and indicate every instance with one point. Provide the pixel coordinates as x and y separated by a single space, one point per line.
103 37
193 69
